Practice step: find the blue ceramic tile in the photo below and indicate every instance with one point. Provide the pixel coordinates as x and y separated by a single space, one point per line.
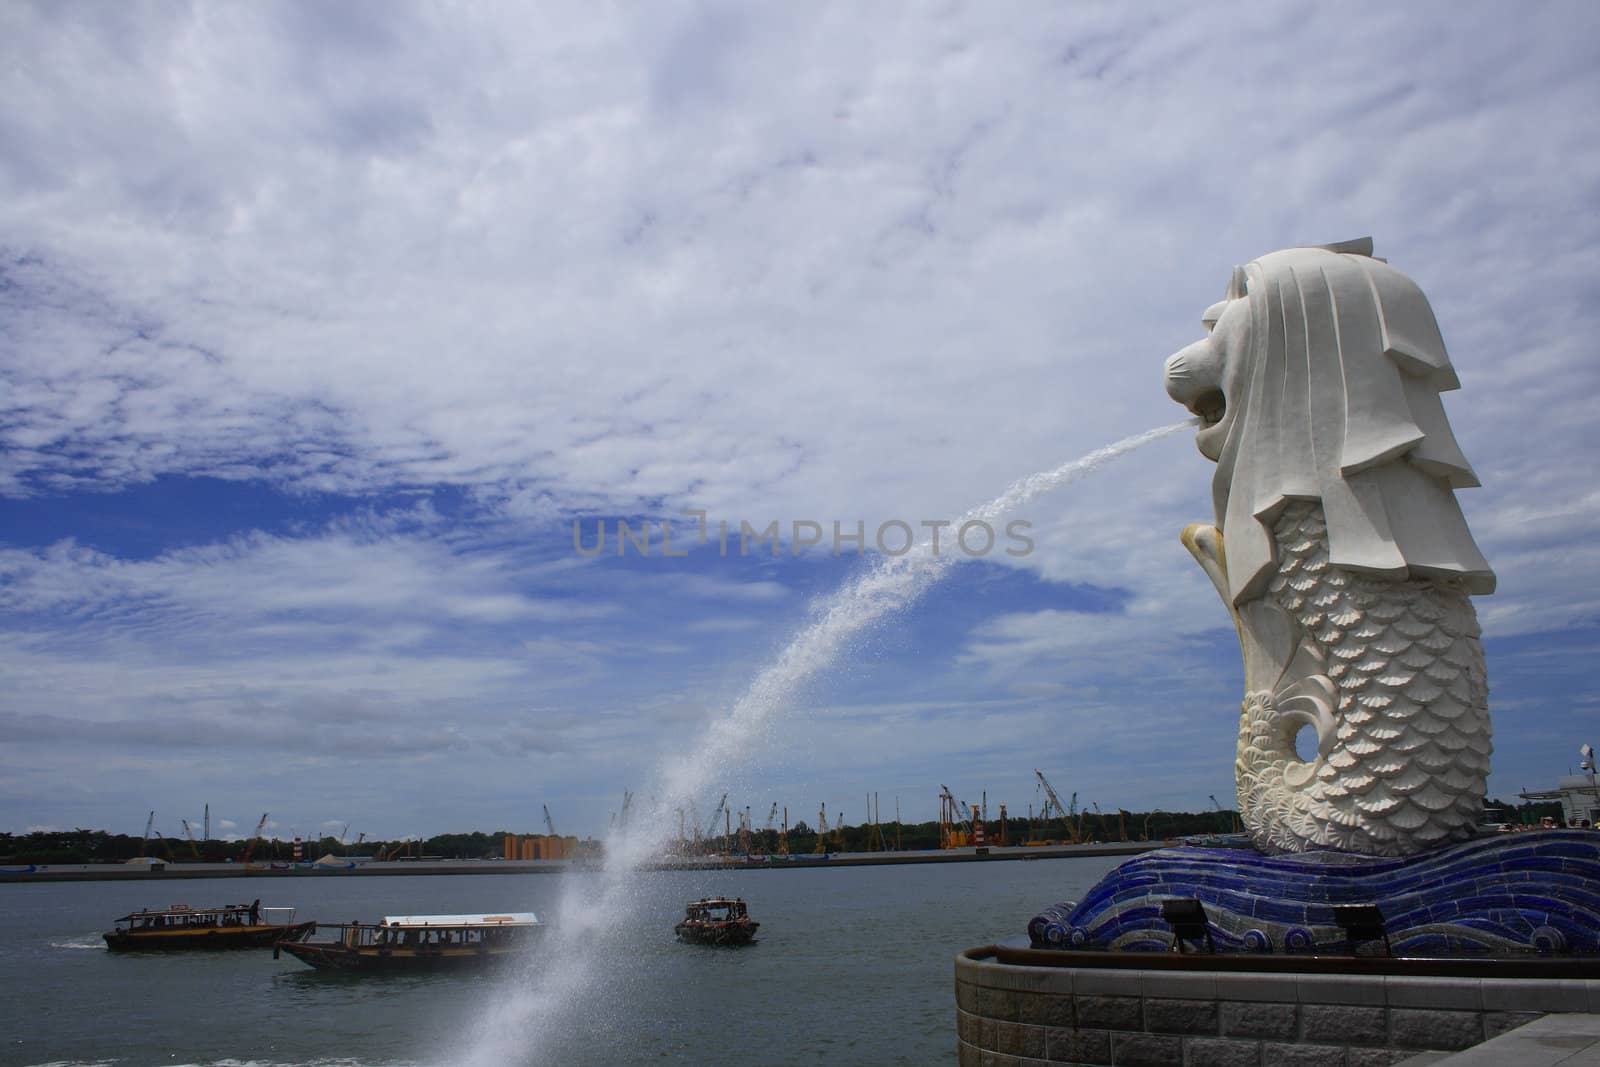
1486 895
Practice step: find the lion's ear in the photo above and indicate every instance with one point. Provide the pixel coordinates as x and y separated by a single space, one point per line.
1238 285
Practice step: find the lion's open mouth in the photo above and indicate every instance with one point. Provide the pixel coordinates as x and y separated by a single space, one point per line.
1211 406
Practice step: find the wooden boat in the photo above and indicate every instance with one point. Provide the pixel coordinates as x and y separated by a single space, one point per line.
181 926
418 942
717 921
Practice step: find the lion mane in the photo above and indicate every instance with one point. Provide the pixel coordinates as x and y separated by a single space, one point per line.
1320 379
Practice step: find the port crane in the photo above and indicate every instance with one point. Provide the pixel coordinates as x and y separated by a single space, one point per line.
822 829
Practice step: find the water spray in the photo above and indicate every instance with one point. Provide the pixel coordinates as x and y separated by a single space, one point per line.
566 970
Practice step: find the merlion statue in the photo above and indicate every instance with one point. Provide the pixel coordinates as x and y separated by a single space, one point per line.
1342 554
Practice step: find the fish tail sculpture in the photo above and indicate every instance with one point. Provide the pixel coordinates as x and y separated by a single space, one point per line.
1342 555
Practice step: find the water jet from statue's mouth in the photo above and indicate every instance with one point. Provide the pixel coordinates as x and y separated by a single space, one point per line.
1211 406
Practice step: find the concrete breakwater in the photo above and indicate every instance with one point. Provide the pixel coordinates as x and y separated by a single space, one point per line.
90 872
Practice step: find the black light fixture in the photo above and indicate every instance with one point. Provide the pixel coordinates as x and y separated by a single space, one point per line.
1362 923
1187 917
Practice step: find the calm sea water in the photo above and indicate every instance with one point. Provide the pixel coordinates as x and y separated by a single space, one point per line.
853 967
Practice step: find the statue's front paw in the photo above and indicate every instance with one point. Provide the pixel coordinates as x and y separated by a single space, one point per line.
1204 542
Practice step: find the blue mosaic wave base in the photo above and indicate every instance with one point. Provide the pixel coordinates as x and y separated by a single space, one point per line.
1532 892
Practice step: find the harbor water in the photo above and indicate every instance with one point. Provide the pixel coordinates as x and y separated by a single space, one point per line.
853 966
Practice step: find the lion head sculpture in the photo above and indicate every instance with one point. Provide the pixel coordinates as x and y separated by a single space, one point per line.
1320 380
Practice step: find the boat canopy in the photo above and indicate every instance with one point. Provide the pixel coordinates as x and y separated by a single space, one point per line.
189 912
510 918
719 909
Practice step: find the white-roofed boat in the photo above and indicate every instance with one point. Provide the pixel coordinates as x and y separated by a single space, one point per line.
420 942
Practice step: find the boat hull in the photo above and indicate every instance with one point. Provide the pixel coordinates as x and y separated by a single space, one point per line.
335 956
717 933
204 938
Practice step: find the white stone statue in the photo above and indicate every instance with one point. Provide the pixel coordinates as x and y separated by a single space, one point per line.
1342 554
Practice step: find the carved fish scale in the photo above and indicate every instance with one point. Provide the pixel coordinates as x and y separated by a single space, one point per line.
1401 767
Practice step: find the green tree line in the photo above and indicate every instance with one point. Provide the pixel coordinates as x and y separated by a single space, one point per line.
98 846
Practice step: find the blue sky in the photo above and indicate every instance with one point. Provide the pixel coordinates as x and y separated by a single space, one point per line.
320 325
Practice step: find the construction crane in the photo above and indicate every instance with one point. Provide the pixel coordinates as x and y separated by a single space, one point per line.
1061 809
767 841
975 823
822 828
1083 817
549 823
190 835
949 816
1233 821
711 827
627 803
250 848
1100 817
694 824
149 824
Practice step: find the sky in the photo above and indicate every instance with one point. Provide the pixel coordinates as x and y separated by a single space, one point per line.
321 325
